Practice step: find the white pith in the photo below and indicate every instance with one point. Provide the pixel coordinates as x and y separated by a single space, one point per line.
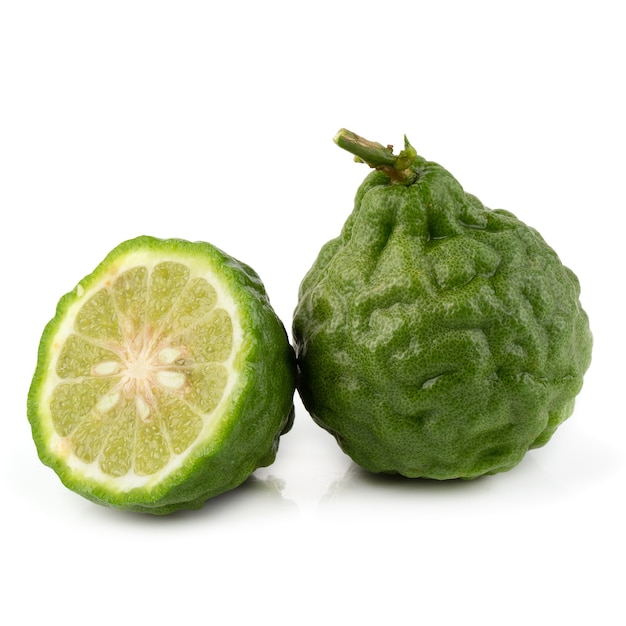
143 365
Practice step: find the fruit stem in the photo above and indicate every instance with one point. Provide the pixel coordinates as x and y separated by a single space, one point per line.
397 167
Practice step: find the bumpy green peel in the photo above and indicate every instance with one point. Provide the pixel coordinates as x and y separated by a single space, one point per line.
436 337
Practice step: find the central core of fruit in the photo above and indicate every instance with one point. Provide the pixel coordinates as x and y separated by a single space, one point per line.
140 370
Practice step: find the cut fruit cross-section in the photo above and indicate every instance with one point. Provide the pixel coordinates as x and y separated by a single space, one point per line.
164 379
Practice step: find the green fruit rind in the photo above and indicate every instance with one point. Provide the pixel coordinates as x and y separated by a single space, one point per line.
435 337
259 409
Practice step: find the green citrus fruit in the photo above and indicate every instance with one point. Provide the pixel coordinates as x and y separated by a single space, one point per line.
164 379
435 337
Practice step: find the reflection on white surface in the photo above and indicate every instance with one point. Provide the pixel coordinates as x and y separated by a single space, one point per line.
262 495
562 469
358 484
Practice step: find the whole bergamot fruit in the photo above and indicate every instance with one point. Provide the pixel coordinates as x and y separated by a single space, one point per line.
435 337
164 379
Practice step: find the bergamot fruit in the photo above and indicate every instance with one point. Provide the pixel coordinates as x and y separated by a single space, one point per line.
164 379
435 337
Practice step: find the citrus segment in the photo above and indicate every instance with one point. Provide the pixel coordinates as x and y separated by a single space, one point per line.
197 298
167 281
81 357
130 293
211 339
207 384
152 449
181 422
71 403
88 438
116 457
98 319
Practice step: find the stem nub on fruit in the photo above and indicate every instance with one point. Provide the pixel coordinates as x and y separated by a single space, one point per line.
397 167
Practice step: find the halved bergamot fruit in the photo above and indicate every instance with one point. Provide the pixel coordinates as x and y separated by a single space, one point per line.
164 379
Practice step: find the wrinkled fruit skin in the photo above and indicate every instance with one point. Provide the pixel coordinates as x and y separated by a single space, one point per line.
435 337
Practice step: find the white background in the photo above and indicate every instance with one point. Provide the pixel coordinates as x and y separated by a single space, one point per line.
214 121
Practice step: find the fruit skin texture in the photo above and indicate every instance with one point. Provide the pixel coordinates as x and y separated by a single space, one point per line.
260 408
435 337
